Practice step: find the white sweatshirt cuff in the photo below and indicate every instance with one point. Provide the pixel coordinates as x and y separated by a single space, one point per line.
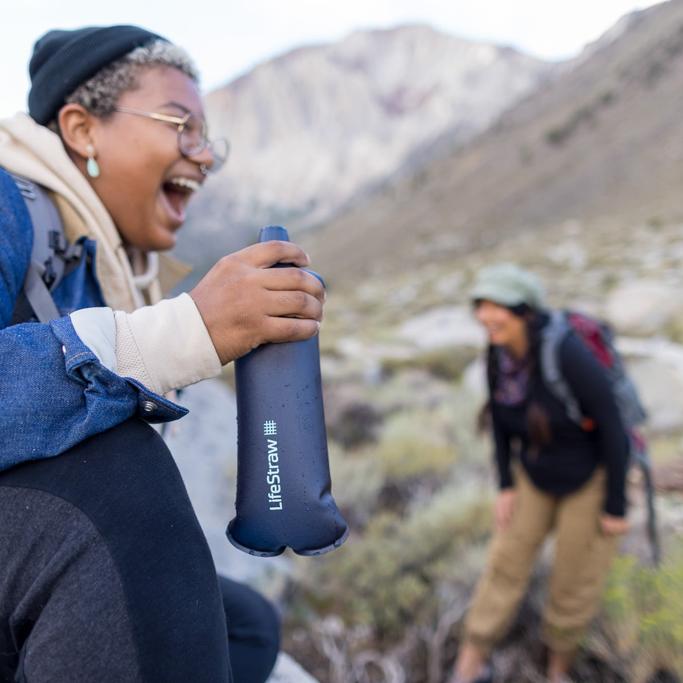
97 330
164 347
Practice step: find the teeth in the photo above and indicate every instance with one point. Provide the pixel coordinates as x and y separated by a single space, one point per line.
186 183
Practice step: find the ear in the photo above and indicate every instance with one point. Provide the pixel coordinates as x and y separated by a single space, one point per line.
76 125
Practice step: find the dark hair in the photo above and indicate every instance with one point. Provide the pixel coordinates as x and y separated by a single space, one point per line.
520 310
538 422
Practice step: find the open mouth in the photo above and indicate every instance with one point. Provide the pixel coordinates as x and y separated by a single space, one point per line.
177 192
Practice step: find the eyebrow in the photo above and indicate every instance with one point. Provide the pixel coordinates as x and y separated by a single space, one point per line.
177 105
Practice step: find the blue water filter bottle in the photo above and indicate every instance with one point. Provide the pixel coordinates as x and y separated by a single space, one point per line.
284 496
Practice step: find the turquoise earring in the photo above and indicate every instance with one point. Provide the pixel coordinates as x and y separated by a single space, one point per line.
92 167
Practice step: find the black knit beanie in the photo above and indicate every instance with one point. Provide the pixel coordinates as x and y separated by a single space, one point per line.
63 60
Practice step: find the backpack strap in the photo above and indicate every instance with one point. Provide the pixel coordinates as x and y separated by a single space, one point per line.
50 256
552 336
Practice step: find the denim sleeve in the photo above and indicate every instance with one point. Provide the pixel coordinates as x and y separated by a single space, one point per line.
54 392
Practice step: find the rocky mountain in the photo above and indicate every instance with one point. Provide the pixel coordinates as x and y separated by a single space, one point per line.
600 143
311 129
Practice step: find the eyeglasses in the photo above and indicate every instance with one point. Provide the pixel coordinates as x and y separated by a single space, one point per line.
193 136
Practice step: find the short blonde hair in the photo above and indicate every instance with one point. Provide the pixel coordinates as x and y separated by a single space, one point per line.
100 94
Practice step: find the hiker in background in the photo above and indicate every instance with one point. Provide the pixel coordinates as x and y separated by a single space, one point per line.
106 574
554 476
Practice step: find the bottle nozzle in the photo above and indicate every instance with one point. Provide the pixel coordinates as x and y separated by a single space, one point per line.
273 232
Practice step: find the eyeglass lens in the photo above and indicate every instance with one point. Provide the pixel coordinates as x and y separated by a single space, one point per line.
193 139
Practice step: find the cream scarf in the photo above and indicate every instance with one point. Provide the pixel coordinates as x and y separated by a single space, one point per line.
34 151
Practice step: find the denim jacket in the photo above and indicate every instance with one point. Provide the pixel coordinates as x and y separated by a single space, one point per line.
54 392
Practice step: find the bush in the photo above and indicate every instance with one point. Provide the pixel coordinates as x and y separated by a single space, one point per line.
357 480
388 578
412 445
353 424
446 363
644 615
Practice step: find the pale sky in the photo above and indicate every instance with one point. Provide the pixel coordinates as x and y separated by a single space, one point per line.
227 38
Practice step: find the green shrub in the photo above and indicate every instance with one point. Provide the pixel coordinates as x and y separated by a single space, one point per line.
414 444
357 480
674 329
644 614
388 577
446 363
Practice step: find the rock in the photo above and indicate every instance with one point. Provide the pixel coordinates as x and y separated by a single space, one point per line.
474 379
662 393
288 671
656 366
570 254
351 419
350 114
661 390
669 477
643 307
442 327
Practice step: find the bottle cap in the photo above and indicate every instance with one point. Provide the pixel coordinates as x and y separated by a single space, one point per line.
273 232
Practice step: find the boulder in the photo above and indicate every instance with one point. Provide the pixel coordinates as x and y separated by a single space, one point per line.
474 379
643 307
661 390
444 326
288 671
656 366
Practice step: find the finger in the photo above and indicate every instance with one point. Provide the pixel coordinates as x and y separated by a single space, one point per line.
289 279
500 519
290 329
607 529
267 254
511 512
295 304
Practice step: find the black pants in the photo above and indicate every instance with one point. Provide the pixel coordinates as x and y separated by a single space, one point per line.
105 574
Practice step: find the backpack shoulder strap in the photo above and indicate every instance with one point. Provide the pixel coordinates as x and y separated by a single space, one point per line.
49 254
552 336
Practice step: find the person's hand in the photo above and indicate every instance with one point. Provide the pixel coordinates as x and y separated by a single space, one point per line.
613 526
505 505
244 303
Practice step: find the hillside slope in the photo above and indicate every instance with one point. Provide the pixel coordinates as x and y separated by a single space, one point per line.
602 142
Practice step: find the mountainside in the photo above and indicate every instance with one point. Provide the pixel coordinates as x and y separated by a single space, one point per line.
312 128
601 142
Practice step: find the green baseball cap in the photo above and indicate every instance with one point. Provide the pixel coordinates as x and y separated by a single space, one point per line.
508 285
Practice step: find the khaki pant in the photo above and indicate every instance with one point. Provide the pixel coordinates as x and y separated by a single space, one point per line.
583 555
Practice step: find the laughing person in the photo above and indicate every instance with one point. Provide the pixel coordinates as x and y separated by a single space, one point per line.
106 575
555 477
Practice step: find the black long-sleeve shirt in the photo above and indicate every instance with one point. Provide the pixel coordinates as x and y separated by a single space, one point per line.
571 457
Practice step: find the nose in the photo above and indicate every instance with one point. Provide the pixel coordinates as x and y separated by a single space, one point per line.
482 312
204 159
